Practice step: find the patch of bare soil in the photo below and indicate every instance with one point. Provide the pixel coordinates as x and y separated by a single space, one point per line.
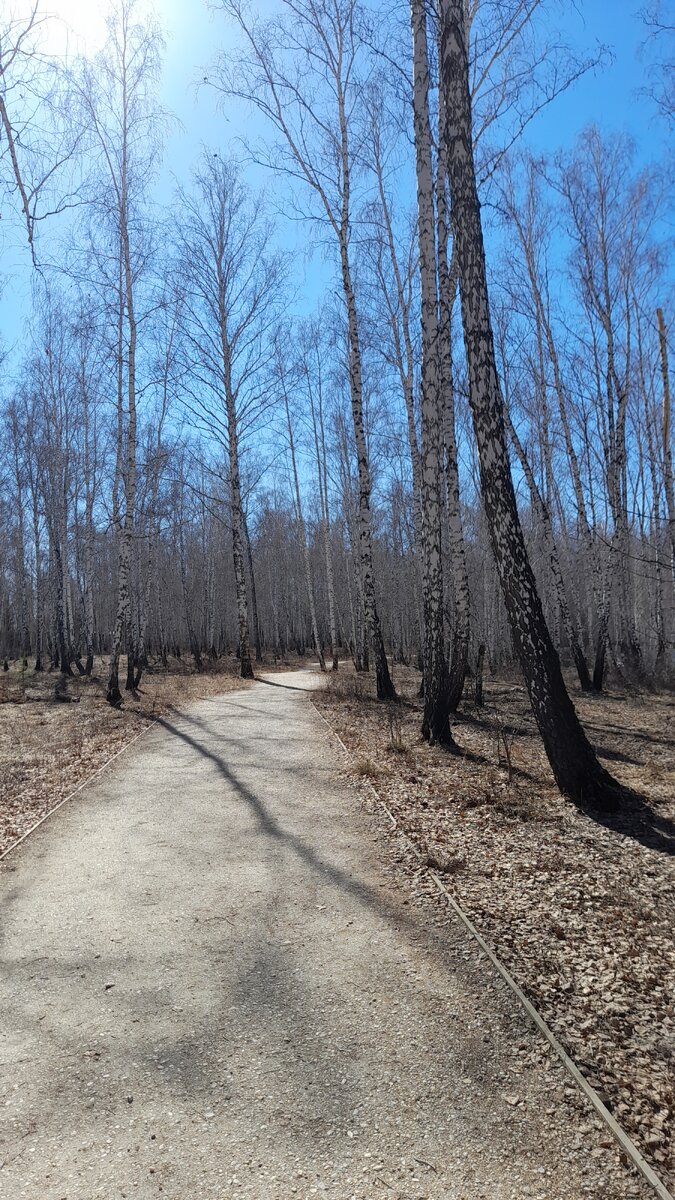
48 747
580 912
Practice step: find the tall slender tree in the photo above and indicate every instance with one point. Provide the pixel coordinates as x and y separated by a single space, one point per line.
575 765
230 302
436 722
116 93
310 98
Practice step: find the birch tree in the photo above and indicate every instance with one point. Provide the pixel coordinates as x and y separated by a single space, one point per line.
116 93
611 214
575 766
312 369
302 530
230 295
447 290
531 226
436 724
665 440
50 379
310 97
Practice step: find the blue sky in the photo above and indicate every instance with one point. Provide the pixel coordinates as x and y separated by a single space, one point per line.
610 98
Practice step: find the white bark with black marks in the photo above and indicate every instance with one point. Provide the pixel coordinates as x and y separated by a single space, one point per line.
573 761
436 723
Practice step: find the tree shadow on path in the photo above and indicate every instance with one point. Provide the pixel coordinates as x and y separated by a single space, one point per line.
270 826
288 687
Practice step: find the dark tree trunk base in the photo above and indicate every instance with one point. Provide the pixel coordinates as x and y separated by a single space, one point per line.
585 681
599 666
440 735
386 690
457 675
113 694
595 790
385 687
478 686
436 719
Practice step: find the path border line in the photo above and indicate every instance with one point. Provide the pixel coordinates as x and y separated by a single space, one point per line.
50 812
617 1131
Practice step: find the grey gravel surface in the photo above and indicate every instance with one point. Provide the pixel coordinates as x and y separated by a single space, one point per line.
213 984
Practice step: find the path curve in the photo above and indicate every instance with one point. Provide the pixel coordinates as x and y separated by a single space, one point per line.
212 985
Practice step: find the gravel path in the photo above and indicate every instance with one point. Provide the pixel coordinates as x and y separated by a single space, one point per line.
212 985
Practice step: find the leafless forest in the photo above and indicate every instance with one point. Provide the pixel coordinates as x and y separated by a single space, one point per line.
197 462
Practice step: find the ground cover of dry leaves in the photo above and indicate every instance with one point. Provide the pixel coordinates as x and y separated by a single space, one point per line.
48 748
580 913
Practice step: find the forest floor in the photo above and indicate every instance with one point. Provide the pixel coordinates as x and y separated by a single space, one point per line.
216 983
580 912
48 748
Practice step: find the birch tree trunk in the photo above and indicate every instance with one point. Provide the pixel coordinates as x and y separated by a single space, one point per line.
89 499
303 540
328 42
122 628
231 303
447 288
322 477
39 665
436 722
245 664
330 586
575 766
385 688
56 476
189 623
254 596
667 450
115 93
20 557
151 579
354 645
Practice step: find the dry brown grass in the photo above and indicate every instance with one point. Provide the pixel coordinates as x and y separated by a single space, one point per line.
581 912
367 769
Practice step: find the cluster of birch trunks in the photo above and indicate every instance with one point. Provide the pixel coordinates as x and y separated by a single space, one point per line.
213 445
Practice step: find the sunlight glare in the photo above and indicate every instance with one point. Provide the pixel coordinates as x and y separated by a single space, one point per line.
74 26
